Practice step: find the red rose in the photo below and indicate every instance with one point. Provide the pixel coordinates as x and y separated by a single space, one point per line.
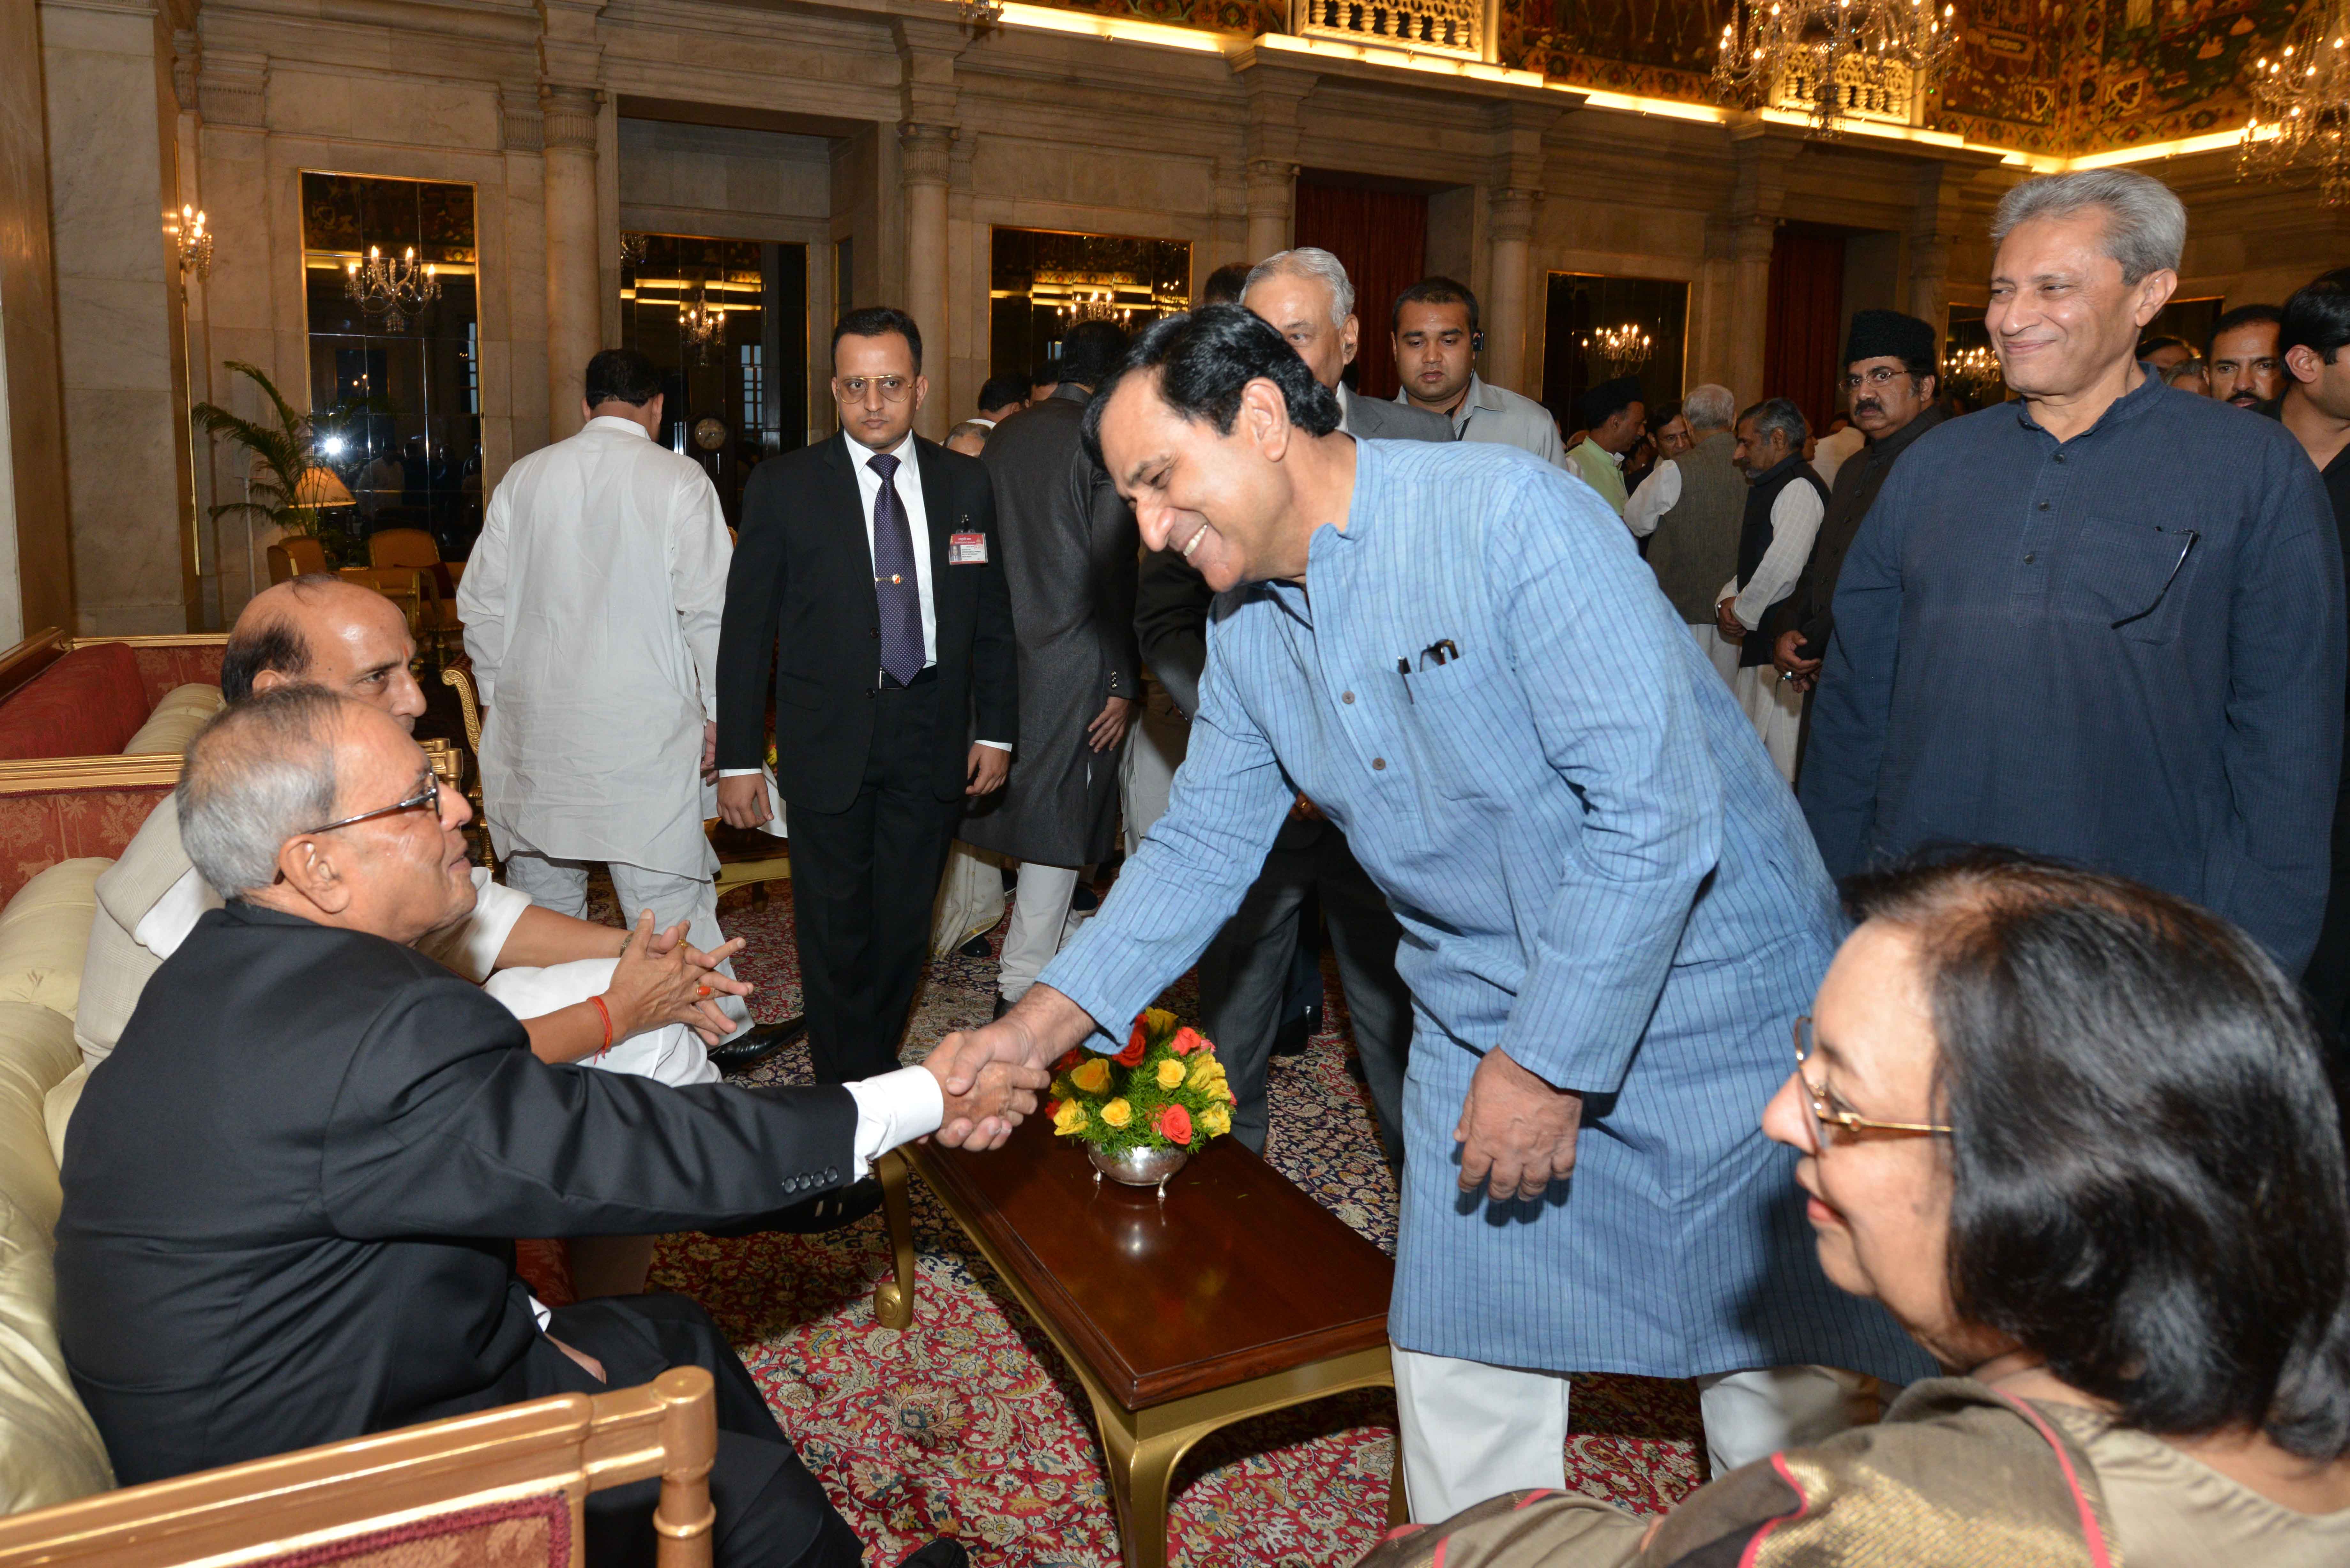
1175 1124
1075 1054
1052 1109
1186 1040
1135 1044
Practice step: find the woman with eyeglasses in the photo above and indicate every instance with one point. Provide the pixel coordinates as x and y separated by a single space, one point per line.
2078 1137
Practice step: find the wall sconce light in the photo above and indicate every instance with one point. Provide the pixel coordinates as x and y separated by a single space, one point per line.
195 246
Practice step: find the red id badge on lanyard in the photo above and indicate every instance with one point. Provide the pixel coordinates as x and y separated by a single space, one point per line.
966 549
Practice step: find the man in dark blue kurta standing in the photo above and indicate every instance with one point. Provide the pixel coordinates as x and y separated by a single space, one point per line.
2104 622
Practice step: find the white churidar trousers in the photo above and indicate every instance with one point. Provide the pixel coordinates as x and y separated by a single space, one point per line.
1470 1431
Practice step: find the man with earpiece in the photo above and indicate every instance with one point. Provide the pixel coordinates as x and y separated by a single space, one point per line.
1437 342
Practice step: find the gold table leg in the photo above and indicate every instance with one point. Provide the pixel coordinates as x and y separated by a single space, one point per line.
893 1299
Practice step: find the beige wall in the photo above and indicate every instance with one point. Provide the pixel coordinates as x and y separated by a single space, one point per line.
35 534
106 76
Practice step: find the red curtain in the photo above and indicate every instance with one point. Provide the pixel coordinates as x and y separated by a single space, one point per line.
1806 316
1381 237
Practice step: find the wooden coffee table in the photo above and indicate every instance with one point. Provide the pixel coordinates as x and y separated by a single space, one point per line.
1236 1295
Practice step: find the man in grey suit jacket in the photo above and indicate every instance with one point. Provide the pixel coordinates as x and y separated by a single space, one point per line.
1308 298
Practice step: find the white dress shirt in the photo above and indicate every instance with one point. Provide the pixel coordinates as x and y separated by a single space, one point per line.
1794 522
907 481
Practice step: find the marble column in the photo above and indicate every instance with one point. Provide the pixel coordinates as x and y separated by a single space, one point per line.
1929 279
1271 206
922 166
1750 305
574 308
1511 225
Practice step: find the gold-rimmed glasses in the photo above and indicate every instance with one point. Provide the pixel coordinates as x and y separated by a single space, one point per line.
1829 1117
426 795
852 388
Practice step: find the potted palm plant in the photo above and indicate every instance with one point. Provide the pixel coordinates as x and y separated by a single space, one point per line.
288 486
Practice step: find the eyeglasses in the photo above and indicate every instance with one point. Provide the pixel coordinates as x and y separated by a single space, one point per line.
1880 377
851 389
427 797
1828 1116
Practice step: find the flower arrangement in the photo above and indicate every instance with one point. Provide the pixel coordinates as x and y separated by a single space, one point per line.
1165 1090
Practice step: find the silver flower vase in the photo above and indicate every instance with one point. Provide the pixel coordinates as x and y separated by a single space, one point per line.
1139 1166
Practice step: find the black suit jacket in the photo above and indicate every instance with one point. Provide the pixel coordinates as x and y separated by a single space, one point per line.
289 1193
801 593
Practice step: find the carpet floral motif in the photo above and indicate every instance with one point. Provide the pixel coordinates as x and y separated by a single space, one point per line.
970 1425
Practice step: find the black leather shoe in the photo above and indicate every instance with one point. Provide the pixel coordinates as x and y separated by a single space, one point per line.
939 1554
755 1045
826 1212
975 947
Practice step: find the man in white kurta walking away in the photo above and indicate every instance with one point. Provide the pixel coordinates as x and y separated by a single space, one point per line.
591 607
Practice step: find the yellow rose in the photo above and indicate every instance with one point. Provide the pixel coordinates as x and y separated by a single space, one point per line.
1091 1077
1206 1072
1069 1118
1159 1021
1216 1121
1117 1113
1171 1073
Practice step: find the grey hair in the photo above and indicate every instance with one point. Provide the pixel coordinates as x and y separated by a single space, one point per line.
1708 406
1779 414
258 775
2146 223
1309 261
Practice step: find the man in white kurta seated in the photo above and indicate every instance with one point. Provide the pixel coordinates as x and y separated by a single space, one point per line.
555 972
591 605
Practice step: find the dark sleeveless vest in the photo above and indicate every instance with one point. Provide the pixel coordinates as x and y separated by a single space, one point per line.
1755 538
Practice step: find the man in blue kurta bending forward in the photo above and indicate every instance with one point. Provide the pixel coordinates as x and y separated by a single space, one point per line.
1611 907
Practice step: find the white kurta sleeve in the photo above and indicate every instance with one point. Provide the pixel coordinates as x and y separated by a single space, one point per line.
1658 493
1794 522
894 1108
482 593
700 556
472 945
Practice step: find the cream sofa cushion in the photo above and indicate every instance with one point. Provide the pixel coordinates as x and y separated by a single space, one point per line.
45 936
50 1450
175 721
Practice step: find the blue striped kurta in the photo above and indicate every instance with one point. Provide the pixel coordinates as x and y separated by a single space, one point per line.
1596 867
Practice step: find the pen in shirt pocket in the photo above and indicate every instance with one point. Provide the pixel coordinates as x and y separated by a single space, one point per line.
1403 674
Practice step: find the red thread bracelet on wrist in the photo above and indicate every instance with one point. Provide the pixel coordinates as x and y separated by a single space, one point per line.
607 1015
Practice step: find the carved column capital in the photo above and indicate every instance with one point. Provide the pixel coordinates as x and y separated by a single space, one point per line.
1513 215
521 127
567 115
925 153
232 87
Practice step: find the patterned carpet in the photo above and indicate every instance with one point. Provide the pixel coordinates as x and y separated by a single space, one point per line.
970 1425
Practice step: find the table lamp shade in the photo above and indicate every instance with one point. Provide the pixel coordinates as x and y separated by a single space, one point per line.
319 487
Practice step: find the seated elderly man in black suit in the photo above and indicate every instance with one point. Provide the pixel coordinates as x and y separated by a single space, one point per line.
287 1193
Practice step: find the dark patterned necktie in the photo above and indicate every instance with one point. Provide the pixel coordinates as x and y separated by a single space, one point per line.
896 590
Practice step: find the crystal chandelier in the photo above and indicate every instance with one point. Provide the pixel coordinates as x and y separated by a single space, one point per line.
1617 349
1836 59
2301 105
701 324
397 291
1974 374
1097 305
